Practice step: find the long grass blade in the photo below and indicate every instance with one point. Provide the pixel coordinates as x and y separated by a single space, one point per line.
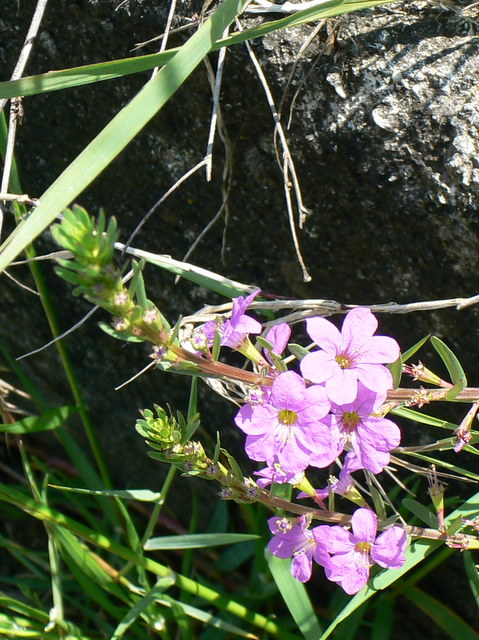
120 131
99 72
295 597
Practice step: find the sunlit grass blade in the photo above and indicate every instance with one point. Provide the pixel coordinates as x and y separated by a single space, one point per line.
49 420
143 603
423 513
207 618
455 627
295 597
208 279
423 418
120 131
384 619
46 514
458 376
445 465
16 606
415 347
143 495
472 575
196 541
109 70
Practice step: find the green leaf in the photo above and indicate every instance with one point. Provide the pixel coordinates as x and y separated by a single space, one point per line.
143 603
396 369
384 619
208 279
143 495
119 335
295 596
423 418
49 420
120 130
445 618
87 74
412 350
205 617
297 350
458 377
196 541
423 513
472 575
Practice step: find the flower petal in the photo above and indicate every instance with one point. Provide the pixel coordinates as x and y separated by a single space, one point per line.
288 391
358 327
301 567
388 550
374 376
324 334
364 524
379 350
318 366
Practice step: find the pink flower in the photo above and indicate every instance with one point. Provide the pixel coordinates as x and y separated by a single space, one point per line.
288 429
346 357
235 330
371 437
354 552
292 539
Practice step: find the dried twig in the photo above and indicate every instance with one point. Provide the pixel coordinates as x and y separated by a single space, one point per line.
14 114
286 163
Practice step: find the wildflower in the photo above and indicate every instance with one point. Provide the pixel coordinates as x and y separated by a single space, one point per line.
287 428
355 552
235 331
293 539
352 355
371 437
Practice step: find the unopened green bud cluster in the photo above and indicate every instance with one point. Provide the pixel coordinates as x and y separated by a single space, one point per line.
95 277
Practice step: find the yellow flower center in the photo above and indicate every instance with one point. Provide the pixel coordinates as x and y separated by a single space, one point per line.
363 547
351 419
344 361
287 417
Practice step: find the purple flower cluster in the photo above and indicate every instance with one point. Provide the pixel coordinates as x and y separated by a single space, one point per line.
308 420
298 424
346 556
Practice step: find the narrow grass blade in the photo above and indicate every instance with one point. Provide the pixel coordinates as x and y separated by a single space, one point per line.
423 513
458 377
24 609
295 597
423 418
445 465
472 575
455 627
48 515
120 131
206 618
109 70
49 420
142 604
384 619
208 279
142 495
412 350
196 541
